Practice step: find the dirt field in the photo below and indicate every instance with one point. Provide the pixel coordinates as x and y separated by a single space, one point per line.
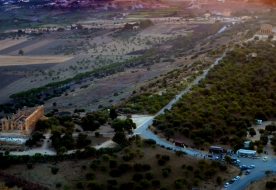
260 184
71 172
28 60
11 42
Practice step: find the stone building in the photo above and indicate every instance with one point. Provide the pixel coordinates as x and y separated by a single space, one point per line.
266 29
23 123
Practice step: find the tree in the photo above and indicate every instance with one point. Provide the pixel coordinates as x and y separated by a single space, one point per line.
179 153
228 159
21 52
219 180
62 150
120 138
113 114
260 150
267 172
270 185
252 132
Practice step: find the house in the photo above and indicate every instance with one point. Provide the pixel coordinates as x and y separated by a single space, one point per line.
207 15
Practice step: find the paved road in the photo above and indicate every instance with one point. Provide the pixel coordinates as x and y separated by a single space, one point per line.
142 129
256 173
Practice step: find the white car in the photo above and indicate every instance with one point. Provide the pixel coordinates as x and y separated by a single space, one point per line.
237 178
226 185
251 166
265 159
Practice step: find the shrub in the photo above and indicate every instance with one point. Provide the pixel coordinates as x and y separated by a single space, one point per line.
161 162
90 176
149 141
79 185
149 175
29 165
125 167
54 170
190 168
95 185
155 182
97 134
157 156
113 163
58 185
103 168
146 167
270 185
137 176
115 173
165 157
137 167
106 157
183 166
223 167
144 183
112 181
127 157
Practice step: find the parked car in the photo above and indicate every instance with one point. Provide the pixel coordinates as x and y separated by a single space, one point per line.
231 181
226 185
251 166
243 167
265 159
237 178
247 172
236 161
266 152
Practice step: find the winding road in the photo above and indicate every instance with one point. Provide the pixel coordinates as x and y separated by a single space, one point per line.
255 174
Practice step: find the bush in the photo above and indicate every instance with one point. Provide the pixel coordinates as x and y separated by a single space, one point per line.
137 176
165 157
161 162
90 176
29 165
79 185
54 170
127 157
106 157
113 163
103 168
222 167
125 167
190 168
155 182
149 175
137 167
146 167
149 141
270 185
144 183
95 185
58 185
112 181
115 173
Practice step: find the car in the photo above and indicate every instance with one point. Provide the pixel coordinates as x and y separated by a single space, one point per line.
265 159
237 178
266 152
226 185
231 181
251 166
243 167
236 161
247 172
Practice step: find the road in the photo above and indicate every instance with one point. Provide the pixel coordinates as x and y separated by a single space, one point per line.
142 129
255 174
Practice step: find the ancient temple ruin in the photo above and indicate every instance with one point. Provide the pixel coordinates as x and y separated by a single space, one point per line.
266 29
23 123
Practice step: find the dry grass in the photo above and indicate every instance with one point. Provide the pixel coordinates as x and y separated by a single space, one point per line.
11 42
28 60
260 184
33 46
71 172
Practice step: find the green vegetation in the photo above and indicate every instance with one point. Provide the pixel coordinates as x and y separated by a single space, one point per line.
237 90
